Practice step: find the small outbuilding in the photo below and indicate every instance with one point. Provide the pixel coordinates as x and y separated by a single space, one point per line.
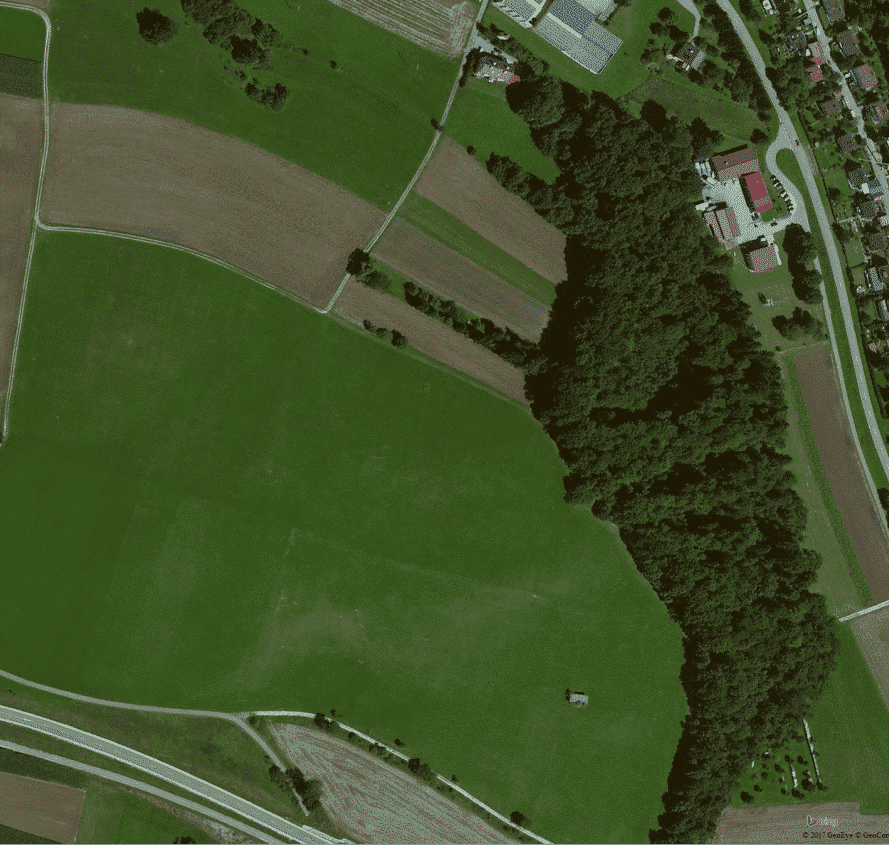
578 699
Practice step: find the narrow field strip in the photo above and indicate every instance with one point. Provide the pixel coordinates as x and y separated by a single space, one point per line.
41 808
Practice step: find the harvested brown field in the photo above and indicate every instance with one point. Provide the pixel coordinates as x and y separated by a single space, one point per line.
44 809
444 271
440 27
427 335
799 823
830 429
456 182
21 139
872 635
159 177
372 800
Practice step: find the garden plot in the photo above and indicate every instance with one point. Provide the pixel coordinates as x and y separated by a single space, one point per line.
21 131
447 273
40 808
147 174
456 182
440 27
375 801
431 337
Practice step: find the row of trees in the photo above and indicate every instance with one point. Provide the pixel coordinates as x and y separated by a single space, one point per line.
670 418
798 325
800 248
293 780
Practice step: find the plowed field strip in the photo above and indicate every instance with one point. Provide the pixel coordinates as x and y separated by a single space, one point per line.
155 176
788 823
444 271
833 440
456 182
358 302
374 801
21 134
872 634
39 807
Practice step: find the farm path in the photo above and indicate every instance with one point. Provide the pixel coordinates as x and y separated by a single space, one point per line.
123 780
150 765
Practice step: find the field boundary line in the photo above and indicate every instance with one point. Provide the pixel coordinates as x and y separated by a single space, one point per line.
296 714
105 774
864 612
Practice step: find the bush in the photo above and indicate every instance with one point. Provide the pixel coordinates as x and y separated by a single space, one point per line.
155 27
399 341
246 51
518 818
800 324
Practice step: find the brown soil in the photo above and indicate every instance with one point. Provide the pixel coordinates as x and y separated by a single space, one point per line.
159 177
799 823
456 182
374 801
830 428
359 302
44 809
872 634
440 27
21 139
444 271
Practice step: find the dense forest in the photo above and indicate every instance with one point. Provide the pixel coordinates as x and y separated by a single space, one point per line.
670 417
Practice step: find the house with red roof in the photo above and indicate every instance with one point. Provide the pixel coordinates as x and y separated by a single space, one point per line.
865 77
735 165
757 193
879 112
831 108
763 258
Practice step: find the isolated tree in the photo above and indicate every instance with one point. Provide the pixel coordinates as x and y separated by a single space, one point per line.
518 818
155 27
746 797
311 793
358 262
757 136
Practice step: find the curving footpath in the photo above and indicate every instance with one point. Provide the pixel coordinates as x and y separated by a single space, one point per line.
164 771
141 787
789 133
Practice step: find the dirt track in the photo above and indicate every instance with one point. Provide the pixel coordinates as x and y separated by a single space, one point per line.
444 271
374 801
159 177
456 182
21 139
358 302
45 809
789 823
827 417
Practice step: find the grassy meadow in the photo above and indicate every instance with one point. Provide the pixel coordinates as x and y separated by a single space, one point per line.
22 34
364 124
257 507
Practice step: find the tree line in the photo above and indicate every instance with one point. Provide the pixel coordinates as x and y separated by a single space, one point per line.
671 420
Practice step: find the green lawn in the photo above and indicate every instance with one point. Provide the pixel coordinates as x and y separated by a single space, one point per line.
22 34
850 732
481 117
625 71
688 101
365 125
18 837
446 228
216 498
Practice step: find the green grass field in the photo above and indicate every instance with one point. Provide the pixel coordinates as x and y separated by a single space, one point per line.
625 71
18 837
260 508
21 77
446 228
365 125
850 733
482 118
22 34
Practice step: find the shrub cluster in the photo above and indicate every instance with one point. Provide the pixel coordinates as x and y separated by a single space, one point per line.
670 417
293 780
800 248
798 325
395 337
155 27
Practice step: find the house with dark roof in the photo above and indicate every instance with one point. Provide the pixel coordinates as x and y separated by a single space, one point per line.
883 310
834 10
878 112
724 225
868 209
848 143
690 56
878 278
832 107
857 178
848 42
756 192
762 258
865 77
876 241
796 41
735 165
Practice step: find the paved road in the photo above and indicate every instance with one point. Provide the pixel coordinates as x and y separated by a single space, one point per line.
252 832
788 133
195 785
436 138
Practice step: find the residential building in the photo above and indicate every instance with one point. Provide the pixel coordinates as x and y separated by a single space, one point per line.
848 42
815 74
878 112
857 178
868 210
830 108
690 56
495 70
834 10
763 258
876 241
884 311
757 192
865 77
848 143
878 278
796 41
570 26
736 164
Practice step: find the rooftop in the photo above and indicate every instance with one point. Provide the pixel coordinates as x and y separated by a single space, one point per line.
815 74
868 209
735 165
817 53
848 43
830 108
879 112
875 241
848 142
572 29
759 194
865 76
763 259
834 10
